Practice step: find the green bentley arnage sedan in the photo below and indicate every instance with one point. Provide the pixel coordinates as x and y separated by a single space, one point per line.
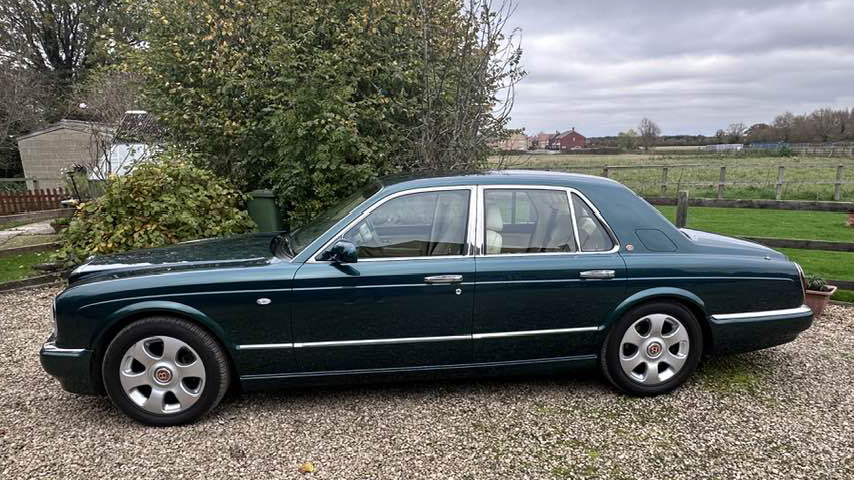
498 273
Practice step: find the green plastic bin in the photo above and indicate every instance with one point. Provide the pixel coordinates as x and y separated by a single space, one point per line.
263 210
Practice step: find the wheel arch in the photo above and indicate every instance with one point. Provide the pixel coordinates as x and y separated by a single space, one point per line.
680 296
128 314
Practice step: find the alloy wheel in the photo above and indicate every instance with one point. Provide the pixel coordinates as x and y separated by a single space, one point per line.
162 375
654 349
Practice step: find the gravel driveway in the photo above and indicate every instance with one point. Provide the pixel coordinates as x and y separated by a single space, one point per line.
786 412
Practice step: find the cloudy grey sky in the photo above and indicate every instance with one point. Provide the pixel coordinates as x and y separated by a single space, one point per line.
692 66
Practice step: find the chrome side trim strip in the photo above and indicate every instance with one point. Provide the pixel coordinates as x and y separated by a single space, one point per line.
264 346
526 333
50 347
803 309
381 341
392 341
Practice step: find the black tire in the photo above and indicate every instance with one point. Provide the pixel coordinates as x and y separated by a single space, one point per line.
610 360
214 361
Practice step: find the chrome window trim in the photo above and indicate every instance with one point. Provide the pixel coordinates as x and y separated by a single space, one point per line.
472 225
767 313
481 232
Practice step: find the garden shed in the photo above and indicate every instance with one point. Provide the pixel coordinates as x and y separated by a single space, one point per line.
45 152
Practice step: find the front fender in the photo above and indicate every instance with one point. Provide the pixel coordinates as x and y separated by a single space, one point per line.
114 321
658 293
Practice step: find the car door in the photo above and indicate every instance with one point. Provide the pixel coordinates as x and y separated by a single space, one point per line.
408 300
540 295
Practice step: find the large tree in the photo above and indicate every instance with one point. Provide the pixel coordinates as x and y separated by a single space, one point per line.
314 98
54 37
649 132
24 99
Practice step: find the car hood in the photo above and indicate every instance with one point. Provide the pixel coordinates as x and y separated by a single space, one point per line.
730 244
235 251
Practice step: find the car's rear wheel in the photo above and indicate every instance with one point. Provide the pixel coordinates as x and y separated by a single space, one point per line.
165 371
652 349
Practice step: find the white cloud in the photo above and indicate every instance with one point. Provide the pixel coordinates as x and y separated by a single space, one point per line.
602 66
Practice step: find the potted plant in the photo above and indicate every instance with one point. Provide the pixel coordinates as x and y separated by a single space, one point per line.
818 292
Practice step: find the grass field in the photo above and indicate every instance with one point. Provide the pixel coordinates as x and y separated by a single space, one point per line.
739 169
21 266
749 222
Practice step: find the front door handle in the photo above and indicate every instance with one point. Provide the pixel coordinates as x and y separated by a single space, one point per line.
597 274
444 279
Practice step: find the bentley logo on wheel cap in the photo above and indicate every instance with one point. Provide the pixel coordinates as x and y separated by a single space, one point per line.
163 375
654 349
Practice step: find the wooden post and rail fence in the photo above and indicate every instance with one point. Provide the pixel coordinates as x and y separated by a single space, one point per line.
722 183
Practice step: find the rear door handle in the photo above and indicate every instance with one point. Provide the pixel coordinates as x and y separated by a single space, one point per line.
597 274
444 279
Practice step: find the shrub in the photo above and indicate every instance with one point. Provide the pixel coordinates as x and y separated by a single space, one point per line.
816 283
161 202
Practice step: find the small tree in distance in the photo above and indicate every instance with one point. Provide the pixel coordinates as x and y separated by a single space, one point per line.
649 132
628 140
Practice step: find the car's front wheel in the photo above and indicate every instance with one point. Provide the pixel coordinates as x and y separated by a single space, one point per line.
165 371
652 349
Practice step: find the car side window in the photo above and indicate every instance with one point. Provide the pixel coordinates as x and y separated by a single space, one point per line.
591 233
527 221
425 224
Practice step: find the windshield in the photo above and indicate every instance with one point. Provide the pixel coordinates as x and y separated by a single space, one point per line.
303 236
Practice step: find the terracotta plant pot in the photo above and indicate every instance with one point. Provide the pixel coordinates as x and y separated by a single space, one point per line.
818 300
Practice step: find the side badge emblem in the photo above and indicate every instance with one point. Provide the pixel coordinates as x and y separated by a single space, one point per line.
263 301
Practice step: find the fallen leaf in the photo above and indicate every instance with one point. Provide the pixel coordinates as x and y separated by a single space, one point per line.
307 467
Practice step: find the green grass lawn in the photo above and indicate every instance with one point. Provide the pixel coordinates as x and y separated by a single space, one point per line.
832 265
767 223
21 266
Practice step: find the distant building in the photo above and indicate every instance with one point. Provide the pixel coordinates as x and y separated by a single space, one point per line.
541 140
569 140
722 147
516 141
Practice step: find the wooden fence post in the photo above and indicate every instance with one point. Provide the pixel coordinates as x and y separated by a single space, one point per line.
721 183
837 187
682 209
781 171
663 181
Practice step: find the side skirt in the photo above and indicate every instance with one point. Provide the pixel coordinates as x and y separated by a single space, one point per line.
518 367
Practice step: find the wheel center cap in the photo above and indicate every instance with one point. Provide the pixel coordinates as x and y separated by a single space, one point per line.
654 349
163 375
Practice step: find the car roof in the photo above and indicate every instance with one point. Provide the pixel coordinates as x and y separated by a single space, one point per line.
495 177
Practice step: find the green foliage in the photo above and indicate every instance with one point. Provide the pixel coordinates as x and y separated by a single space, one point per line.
314 99
161 202
816 282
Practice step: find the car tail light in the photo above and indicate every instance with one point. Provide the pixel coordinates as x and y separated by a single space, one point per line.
803 279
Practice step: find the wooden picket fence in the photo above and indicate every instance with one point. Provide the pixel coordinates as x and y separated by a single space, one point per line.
32 200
